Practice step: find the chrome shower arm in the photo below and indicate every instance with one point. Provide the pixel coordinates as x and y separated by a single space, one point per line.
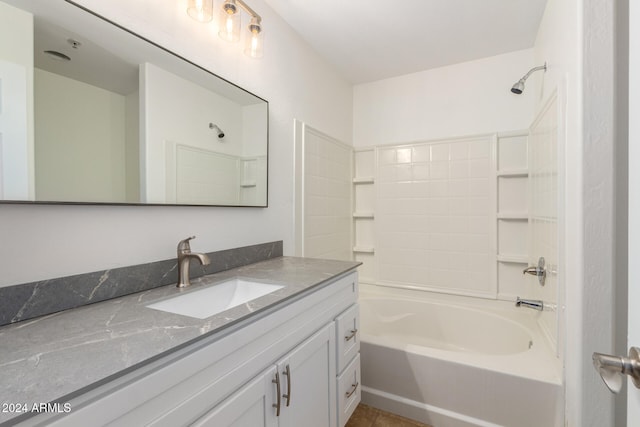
518 87
533 70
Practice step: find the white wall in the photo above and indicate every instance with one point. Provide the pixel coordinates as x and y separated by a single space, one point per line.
254 124
576 38
132 147
16 104
168 118
63 240
80 134
458 100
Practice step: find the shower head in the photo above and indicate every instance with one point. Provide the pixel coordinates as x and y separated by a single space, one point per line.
219 131
518 87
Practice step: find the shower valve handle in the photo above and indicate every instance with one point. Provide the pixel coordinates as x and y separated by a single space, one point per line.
538 271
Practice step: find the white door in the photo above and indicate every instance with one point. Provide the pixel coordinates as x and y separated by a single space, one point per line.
633 337
615 363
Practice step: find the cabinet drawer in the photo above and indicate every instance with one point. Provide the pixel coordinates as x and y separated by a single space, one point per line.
347 336
348 387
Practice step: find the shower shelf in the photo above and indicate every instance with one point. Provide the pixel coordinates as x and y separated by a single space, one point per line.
513 173
364 180
363 215
364 249
515 259
517 216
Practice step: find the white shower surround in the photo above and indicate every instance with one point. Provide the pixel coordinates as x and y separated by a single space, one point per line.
443 213
435 215
500 190
428 357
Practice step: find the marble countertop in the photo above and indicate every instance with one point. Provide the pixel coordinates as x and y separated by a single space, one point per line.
51 357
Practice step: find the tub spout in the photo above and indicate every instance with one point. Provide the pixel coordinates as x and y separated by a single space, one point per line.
530 303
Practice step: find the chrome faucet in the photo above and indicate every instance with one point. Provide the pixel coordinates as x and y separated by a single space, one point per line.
531 303
184 261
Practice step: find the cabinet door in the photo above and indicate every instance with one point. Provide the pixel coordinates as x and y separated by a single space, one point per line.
347 336
250 406
308 375
348 389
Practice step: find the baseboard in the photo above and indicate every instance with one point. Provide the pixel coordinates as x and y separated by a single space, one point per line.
418 411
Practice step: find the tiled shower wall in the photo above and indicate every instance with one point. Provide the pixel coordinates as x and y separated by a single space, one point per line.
447 216
543 192
435 216
327 197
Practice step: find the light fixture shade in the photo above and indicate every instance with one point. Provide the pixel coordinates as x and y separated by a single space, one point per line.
229 25
200 10
255 43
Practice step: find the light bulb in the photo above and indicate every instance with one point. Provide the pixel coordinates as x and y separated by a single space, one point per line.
200 10
254 45
229 23
255 41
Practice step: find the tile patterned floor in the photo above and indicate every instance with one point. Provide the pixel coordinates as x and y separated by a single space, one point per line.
367 416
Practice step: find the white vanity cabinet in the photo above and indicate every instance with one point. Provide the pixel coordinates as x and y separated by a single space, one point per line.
297 391
248 407
231 378
348 362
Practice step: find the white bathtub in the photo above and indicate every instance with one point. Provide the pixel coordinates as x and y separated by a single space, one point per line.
456 361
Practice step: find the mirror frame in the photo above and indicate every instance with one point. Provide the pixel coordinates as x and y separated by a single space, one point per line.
180 57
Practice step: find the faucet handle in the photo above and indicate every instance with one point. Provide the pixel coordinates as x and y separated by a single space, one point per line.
183 245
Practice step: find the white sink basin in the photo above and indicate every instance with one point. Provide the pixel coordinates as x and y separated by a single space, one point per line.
215 298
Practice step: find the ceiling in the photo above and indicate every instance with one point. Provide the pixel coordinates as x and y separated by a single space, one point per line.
368 40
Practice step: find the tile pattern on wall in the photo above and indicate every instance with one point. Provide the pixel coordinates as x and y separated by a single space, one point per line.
435 215
544 211
327 197
206 176
28 300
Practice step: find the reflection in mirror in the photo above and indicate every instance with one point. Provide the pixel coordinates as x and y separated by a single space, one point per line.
91 113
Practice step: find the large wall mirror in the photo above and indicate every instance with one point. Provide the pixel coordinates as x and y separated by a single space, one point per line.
91 113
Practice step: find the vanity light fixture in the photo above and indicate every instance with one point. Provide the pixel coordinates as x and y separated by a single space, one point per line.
230 26
200 10
229 22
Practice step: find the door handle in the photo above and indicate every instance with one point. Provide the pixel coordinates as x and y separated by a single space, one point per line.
539 271
613 368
